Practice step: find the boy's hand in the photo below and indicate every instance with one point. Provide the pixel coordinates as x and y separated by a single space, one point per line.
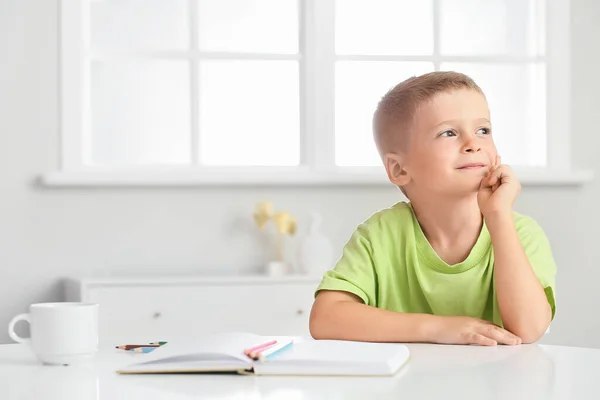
467 330
498 189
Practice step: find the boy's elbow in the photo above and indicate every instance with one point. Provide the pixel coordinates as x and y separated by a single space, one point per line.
322 324
530 334
530 330
529 338
327 312
315 324
316 331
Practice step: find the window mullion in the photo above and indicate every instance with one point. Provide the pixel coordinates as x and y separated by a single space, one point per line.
437 61
558 94
75 85
194 85
318 84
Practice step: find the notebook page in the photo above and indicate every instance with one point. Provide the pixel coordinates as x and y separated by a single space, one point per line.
208 362
337 357
206 351
228 344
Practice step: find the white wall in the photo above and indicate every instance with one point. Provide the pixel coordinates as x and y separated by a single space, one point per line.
47 234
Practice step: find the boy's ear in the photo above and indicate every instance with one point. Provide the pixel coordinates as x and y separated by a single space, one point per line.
394 167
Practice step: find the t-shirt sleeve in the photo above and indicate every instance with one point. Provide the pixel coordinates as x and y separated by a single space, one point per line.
538 250
354 272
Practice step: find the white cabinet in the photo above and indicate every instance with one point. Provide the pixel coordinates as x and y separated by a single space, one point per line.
175 307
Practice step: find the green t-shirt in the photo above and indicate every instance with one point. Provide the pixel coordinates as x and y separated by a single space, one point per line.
389 263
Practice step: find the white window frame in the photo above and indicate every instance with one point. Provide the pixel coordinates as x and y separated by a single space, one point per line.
317 63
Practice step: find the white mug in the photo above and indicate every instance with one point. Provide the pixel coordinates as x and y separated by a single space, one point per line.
61 333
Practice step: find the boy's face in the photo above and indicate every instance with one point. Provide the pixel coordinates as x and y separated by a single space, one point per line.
451 146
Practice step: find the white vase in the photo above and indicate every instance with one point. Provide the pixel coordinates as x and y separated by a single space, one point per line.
316 251
277 268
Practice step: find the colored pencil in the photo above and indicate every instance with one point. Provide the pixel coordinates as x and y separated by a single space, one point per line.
146 349
269 353
252 352
159 343
133 346
256 353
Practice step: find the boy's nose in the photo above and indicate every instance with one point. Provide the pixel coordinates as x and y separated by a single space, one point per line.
471 146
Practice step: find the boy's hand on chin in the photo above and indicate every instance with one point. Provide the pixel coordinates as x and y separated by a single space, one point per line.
498 190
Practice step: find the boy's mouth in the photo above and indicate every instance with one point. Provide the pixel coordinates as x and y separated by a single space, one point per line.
472 166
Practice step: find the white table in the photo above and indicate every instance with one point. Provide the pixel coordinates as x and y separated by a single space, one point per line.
433 372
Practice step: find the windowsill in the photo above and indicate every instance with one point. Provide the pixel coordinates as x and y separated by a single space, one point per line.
278 177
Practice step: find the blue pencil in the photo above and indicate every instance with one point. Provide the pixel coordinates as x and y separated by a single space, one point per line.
267 354
143 349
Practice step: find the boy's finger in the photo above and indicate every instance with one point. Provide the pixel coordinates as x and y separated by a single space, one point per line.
501 335
499 172
482 340
493 179
484 185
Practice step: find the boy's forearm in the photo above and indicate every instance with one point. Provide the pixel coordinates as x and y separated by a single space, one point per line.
355 321
523 304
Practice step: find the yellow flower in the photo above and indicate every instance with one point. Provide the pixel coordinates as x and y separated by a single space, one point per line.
285 222
262 213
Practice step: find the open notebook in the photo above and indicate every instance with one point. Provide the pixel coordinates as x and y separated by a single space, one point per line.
224 353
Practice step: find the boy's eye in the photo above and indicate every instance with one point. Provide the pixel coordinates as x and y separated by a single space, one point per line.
448 134
483 131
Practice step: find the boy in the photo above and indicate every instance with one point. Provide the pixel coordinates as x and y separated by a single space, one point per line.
455 264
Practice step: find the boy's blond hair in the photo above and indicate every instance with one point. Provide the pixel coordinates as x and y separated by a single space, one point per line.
396 110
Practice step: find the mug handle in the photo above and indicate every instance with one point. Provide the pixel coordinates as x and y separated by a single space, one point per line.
11 328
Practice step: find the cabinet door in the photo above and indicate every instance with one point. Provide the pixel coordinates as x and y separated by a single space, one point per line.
175 311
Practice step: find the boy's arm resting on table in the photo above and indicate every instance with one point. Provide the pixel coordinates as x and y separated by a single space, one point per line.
343 316
524 276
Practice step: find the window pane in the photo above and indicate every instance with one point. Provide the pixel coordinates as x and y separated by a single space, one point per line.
359 85
261 26
392 27
139 25
517 100
249 113
475 27
140 112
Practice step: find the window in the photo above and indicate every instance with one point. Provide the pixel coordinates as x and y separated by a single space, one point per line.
499 43
228 91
